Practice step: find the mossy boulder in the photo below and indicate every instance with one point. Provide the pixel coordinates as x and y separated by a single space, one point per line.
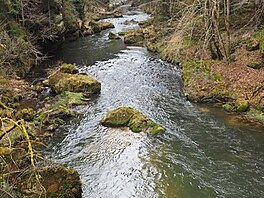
68 68
134 37
67 79
132 118
111 35
240 105
99 26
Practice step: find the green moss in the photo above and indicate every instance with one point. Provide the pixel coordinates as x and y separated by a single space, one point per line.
252 44
217 77
2 105
53 117
118 117
256 115
255 65
240 105
5 151
229 107
260 36
68 68
201 83
138 122
193 69
71 99
17 30
135 120
26 114
156 129
122 33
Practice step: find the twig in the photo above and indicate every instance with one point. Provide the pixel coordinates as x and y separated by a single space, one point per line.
7 193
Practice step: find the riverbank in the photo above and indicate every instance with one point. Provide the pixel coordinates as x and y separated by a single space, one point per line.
31 111
30 115
235 85
47 117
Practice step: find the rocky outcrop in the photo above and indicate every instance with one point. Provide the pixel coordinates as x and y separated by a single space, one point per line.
132 118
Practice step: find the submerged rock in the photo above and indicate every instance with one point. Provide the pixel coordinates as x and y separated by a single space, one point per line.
132 118
66 78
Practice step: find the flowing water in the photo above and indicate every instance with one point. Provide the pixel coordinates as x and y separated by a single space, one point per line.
204 152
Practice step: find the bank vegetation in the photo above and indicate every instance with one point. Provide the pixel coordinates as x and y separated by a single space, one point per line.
219 44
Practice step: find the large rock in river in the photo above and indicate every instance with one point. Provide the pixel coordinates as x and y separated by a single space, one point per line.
68 78
132 118
101 25
135 37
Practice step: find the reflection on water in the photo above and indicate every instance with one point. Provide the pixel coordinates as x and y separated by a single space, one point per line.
200 155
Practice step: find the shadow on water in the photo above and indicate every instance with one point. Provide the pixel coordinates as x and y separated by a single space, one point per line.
200 155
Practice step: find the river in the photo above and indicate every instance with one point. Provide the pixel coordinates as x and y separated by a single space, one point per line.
204 152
